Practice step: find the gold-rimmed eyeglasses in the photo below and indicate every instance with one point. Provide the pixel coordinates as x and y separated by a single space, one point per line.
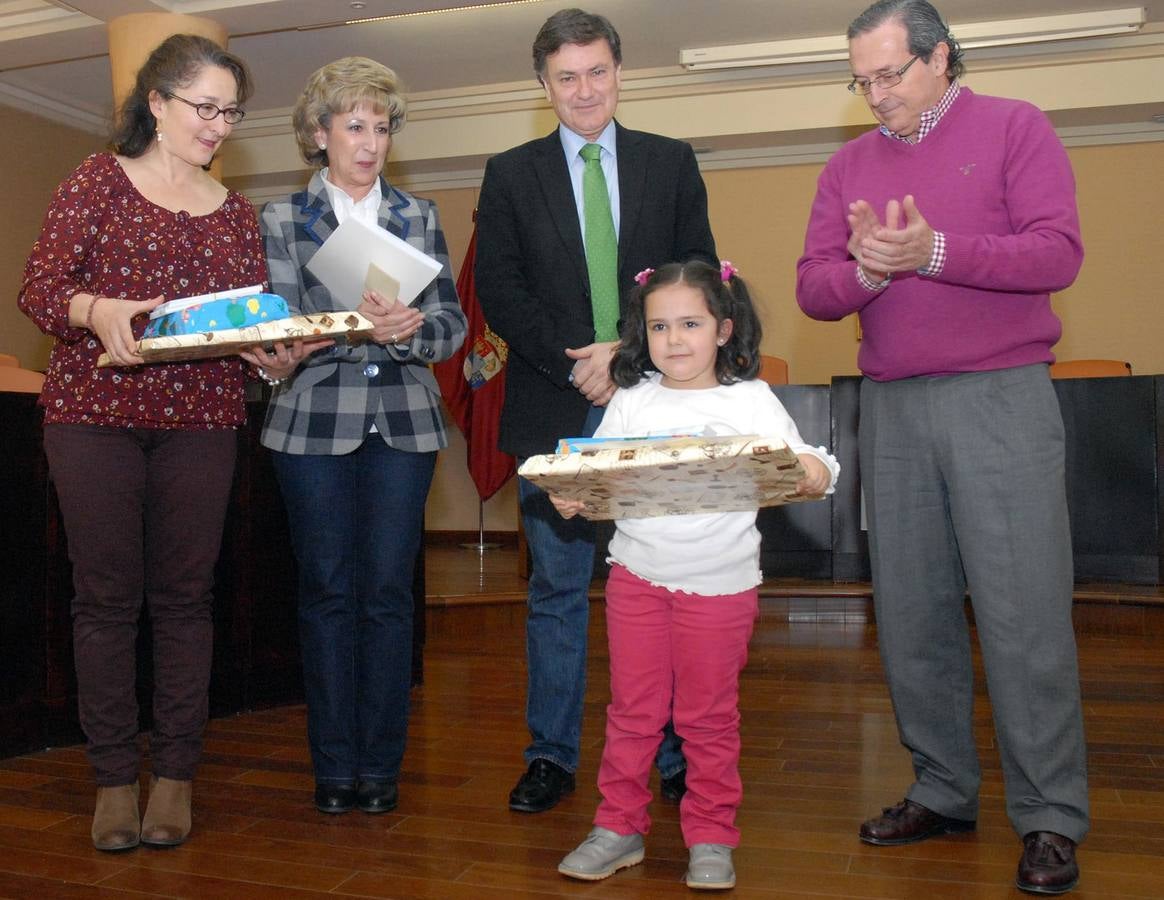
863 86
232 115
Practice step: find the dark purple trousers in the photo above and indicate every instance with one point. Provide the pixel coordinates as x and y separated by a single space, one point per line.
143 510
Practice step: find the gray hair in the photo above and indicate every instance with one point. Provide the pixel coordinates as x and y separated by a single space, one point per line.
573 26
924 27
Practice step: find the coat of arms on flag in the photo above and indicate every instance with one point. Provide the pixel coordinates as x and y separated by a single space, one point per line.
485 359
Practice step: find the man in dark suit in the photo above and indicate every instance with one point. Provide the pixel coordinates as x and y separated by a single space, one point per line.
541 284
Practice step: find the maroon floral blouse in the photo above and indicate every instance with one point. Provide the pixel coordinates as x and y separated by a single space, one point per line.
101 236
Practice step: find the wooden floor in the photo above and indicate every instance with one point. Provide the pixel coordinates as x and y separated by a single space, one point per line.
820 753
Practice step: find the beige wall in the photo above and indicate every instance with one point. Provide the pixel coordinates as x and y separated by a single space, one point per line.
758 216
35 156
452 502
1114 310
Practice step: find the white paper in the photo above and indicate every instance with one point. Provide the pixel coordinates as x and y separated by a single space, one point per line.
183 302
343 260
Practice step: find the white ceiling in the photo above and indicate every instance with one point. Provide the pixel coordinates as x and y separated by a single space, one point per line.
53 53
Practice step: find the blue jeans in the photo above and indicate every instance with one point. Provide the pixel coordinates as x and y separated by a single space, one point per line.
558 616
356 522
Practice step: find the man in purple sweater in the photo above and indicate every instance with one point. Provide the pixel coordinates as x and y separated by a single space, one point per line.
946 230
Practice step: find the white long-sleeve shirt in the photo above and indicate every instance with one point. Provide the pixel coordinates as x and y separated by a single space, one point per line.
714 553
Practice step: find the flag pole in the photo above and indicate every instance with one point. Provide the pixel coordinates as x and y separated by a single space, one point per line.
472 383
481 546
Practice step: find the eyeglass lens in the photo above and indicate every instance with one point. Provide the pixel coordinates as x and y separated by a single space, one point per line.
889 79
209 111
232 114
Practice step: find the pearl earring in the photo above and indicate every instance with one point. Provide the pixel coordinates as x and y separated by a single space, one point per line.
323 146
159 133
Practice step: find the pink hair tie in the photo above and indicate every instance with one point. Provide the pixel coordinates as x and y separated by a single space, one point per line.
727 270
643 276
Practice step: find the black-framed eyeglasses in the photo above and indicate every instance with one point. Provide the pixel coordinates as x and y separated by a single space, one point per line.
863 86
232 115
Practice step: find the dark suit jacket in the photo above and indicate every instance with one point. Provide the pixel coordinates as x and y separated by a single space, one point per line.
531 275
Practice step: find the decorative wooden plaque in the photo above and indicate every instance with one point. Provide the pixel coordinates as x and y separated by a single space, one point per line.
350 327
671 476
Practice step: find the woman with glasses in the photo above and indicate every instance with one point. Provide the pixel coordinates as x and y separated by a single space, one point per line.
355 433
142 456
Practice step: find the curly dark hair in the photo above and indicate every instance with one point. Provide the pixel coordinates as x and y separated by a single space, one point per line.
173 65
739 357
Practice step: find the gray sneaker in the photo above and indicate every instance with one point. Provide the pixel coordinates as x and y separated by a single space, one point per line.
710 868
602 854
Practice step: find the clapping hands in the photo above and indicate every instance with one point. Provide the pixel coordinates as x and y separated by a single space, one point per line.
882 249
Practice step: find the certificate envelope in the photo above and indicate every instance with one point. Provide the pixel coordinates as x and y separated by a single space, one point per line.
341 264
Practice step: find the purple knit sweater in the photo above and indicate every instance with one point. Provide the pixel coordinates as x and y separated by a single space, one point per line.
995 178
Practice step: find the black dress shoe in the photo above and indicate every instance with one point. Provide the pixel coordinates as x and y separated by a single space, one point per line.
335 798
541 787
909 822
674 787
1048 864
377 796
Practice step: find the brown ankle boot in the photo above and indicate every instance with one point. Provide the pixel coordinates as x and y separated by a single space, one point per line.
116 821
167 816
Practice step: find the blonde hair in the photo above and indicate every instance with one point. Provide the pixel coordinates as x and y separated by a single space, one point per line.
339 87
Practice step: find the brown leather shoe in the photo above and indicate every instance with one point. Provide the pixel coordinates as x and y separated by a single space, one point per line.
116 821
167 817
909 822
1048 864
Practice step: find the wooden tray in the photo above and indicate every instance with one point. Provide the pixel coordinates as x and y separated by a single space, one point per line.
350 327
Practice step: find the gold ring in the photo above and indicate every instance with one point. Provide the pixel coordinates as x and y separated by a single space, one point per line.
392 337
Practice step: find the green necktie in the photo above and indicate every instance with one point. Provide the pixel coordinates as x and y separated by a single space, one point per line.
601 246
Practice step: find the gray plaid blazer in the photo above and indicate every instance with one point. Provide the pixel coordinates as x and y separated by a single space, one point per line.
333 399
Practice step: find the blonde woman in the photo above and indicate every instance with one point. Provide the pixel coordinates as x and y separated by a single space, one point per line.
355 434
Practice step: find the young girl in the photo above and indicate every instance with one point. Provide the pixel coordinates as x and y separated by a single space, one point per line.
681 597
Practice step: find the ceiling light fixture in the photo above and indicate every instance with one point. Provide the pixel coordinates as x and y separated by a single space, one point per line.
972 35
417 13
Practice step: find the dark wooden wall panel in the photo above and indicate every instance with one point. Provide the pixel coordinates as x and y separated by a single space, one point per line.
256 649
1112 465
23 582
797 538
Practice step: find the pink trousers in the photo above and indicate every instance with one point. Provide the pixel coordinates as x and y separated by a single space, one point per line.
677 655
